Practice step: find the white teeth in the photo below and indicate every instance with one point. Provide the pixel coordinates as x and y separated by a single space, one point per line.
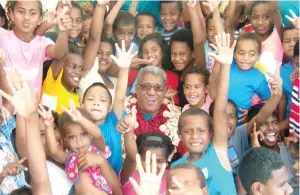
271 134
76 78
195 144
150 99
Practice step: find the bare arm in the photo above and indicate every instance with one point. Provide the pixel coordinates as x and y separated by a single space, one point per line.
133 7
36 157
43 28
270 106
282 108
109 21
276 17
199 36
214 80
92 46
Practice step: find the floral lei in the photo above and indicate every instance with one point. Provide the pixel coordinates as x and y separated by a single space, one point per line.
165 121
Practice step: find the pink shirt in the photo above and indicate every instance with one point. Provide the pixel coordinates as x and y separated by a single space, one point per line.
205 106
27 56
128 189
272 44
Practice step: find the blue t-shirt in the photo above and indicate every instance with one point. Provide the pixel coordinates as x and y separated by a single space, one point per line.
218 180
285 73
243 85
113 140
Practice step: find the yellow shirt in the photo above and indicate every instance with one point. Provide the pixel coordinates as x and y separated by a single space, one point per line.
54 94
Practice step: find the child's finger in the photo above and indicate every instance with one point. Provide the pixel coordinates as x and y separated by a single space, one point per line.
123 46
5 95
134 54
114 59
130 49
148 161
118 51
233 44
139 164
214 47
162 170
154 168
289 18
293 14
22 160
176 182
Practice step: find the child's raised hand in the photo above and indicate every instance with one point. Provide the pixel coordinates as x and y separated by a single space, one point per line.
123 59
212 5
128 123
254 137
275 84
294 20
191 4
73 112
149 180
22 99
46 115
15 168
225 52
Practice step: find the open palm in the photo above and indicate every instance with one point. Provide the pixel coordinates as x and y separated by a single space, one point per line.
123 59
149 180
224 51
22 99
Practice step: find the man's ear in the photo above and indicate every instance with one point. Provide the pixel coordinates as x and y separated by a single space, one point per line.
257 188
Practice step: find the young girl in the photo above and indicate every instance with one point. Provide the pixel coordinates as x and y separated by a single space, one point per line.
155 49
77 132
154 142
267 23
196 89
30 51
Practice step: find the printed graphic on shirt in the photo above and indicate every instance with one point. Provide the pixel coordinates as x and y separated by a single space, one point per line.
233 157
49 101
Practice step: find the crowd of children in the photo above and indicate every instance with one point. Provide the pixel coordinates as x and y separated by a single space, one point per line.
112 97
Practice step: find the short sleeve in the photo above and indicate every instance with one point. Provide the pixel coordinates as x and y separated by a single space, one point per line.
263 89
46 42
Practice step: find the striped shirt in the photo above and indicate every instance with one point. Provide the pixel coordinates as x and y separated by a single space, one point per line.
295 108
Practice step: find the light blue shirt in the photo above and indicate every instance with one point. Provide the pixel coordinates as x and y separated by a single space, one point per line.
218 180
285 73
243 85
113 140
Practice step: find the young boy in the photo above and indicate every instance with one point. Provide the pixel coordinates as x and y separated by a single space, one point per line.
195 131
290 35
287 73
97 101
170 14
263 172
145 25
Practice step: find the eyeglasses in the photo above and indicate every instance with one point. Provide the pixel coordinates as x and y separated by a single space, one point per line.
148 86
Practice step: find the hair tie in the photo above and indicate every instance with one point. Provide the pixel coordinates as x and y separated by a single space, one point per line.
154 138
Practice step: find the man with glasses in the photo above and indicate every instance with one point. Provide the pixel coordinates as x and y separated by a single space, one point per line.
152 114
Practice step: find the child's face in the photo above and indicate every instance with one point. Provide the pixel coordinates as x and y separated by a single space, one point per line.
269 130
232 118
181 55
195 89
211 32
86 29
76 25
260 19
76 138
290 38
246 54
97 103
160 157
152 50
195 134
296 65
26 16
125 33
145 26
169 16
105 62
72 72
187 177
